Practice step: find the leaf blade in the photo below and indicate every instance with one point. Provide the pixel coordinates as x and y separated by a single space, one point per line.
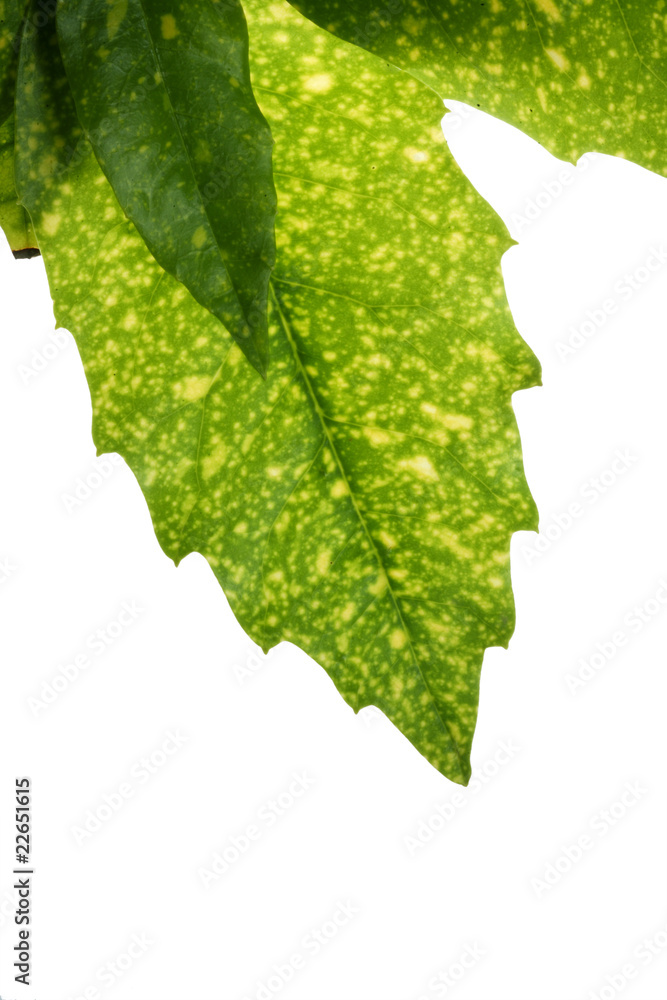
575 77
360 501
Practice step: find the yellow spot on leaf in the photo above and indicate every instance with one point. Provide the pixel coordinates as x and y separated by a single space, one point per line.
386 539
323 561
416 155
339 489
397 639
214 461
376 436
457 422
421 466
115 16
549 8
50 223
193 387
396 687
558 58
169 29
319 84
199 237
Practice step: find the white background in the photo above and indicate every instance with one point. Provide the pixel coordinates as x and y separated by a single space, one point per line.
490 879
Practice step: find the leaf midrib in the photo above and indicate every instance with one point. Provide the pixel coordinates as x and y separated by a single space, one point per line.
341 468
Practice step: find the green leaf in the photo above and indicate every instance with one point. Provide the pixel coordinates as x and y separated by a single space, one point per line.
167 103
360 501
14 219
575 76
11 14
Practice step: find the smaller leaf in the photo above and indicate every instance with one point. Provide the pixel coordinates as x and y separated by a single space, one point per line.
167 104
48 133
11 13
14 219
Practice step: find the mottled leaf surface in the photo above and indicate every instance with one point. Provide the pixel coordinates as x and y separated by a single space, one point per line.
576 75
164 94
360 501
